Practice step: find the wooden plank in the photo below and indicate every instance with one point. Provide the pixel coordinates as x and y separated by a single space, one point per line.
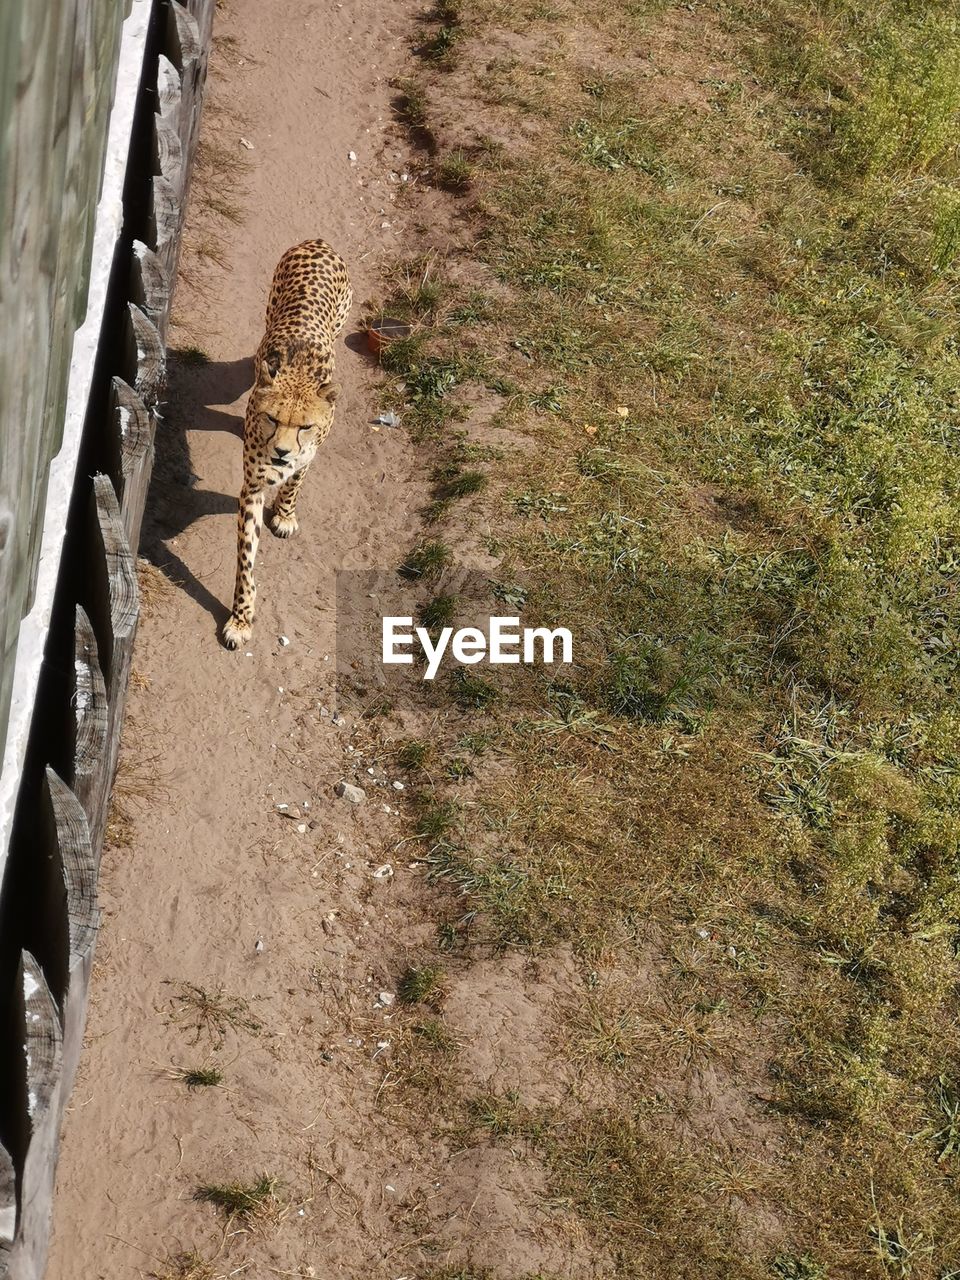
91 724
167 150
183 45
164 226
132 430
73 899
36 1018
188 53
115 598
144 365
150 286
114 610
8 1207
202 12
168 90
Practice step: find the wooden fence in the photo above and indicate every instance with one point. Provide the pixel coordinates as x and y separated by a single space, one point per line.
49 919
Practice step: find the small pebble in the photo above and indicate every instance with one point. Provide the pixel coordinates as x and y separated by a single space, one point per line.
284 640
384 872
386 997
347 791
399 786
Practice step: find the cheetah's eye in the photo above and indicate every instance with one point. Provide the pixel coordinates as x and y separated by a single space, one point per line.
270 419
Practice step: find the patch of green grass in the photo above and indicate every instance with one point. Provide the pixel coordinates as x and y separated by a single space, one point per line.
457 770
436 819
945 1128
797 1267
426 561
422 984
239 1199
435 1035
413 754
472 693
438 612
499 1114
412 105
454 171
466 484
199 1077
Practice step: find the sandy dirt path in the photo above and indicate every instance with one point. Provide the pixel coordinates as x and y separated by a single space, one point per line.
215 740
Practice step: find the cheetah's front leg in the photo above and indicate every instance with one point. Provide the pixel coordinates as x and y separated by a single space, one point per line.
284 521
239 626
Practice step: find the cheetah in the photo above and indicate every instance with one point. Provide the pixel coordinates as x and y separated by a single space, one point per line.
290 408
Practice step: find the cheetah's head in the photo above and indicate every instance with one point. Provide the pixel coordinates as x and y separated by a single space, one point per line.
294 410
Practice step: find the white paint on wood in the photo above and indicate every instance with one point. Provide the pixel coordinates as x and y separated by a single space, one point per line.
109 220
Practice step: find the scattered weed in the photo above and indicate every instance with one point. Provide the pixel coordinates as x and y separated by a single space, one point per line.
436 820
426 561
239 1199
412 754
422 984
212 1013
454 171
438 612
472 693
186 1266
197 1077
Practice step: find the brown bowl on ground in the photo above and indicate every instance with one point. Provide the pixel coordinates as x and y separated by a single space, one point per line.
382 332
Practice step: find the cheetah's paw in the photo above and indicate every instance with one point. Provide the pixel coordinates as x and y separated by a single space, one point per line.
284 526
236 633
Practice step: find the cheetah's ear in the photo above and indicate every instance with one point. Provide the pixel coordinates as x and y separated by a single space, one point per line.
328 392
272 363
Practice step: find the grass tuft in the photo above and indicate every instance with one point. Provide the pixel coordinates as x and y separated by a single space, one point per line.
426 561
239 1199
438 612
199 1077
422 984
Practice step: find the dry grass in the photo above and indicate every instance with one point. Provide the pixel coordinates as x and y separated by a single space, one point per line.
156 590
138 784
187 1266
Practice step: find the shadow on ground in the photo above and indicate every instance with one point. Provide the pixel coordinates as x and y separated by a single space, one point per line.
174 502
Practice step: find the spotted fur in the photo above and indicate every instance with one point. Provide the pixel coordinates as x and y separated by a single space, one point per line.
290 409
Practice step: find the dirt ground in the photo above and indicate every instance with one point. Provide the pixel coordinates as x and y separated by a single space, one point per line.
209 883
